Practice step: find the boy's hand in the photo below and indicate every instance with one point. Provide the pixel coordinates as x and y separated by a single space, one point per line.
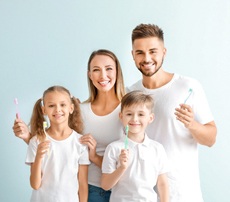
124 158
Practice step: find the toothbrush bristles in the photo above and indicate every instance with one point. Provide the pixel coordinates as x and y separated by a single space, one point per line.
44 125
16 101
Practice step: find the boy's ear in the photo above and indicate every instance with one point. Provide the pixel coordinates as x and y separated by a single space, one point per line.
120 116
151 118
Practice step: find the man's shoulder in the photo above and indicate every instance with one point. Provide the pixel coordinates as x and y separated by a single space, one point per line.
136 86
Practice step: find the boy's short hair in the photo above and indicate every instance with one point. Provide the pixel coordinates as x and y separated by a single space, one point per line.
137 97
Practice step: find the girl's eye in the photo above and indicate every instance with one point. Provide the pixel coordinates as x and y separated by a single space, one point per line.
95 70
50 106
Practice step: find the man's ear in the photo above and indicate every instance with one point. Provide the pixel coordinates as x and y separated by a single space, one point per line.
132 54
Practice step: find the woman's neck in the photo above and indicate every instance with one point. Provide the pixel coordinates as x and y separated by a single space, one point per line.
105 103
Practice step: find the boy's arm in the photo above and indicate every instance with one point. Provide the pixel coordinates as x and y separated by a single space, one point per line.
109 180
83 183
163 188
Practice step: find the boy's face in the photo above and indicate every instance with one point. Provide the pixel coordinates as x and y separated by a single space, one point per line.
137 117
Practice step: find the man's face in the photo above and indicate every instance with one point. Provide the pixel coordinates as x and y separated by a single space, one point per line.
148 54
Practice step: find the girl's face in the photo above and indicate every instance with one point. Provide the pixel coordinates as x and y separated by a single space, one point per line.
103 72
137 117
57 106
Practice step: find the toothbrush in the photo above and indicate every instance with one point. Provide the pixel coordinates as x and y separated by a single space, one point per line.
17 111
126 138
189 93
45 125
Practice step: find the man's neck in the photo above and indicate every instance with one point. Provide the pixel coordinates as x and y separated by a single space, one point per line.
157 80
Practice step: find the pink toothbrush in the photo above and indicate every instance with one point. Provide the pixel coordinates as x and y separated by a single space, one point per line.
17 111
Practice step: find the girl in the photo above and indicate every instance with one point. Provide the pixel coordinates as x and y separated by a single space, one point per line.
58 161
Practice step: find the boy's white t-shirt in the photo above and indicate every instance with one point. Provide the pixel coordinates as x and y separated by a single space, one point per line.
59 169
180 146
147 160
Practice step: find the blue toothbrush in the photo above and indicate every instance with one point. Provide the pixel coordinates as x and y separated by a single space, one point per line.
189 94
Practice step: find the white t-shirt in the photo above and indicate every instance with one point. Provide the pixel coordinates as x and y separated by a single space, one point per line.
59 169
147 160
180 146
104 129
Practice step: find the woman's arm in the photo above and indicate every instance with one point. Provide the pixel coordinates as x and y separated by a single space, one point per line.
91 143
83 183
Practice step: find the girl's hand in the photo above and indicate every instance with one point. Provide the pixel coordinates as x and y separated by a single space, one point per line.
185 115
124 158
42 149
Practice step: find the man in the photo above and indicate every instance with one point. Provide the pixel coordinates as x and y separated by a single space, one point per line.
183 118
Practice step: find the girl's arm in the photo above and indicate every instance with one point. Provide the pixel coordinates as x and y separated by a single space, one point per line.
163 188
36 173
108 181
83 183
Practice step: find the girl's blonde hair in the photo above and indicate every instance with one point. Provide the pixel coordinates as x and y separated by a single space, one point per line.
36 122
119 84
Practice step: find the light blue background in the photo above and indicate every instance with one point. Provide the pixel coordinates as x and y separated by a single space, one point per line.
44 42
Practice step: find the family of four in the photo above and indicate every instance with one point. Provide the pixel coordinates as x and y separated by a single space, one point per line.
120 145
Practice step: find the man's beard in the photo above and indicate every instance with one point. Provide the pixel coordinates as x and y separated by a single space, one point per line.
149 74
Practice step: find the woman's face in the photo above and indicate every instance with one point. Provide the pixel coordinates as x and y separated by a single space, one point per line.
103 72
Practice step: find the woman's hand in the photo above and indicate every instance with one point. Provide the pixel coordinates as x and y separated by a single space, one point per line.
21 130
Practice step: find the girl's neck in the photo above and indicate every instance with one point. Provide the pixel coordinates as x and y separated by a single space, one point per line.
58 132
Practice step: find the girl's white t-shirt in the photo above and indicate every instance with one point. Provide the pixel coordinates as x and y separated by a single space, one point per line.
59 169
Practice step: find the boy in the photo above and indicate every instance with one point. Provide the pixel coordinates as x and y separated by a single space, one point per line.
132 173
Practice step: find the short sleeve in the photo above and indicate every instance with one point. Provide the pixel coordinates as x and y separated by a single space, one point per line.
31 151
109 160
